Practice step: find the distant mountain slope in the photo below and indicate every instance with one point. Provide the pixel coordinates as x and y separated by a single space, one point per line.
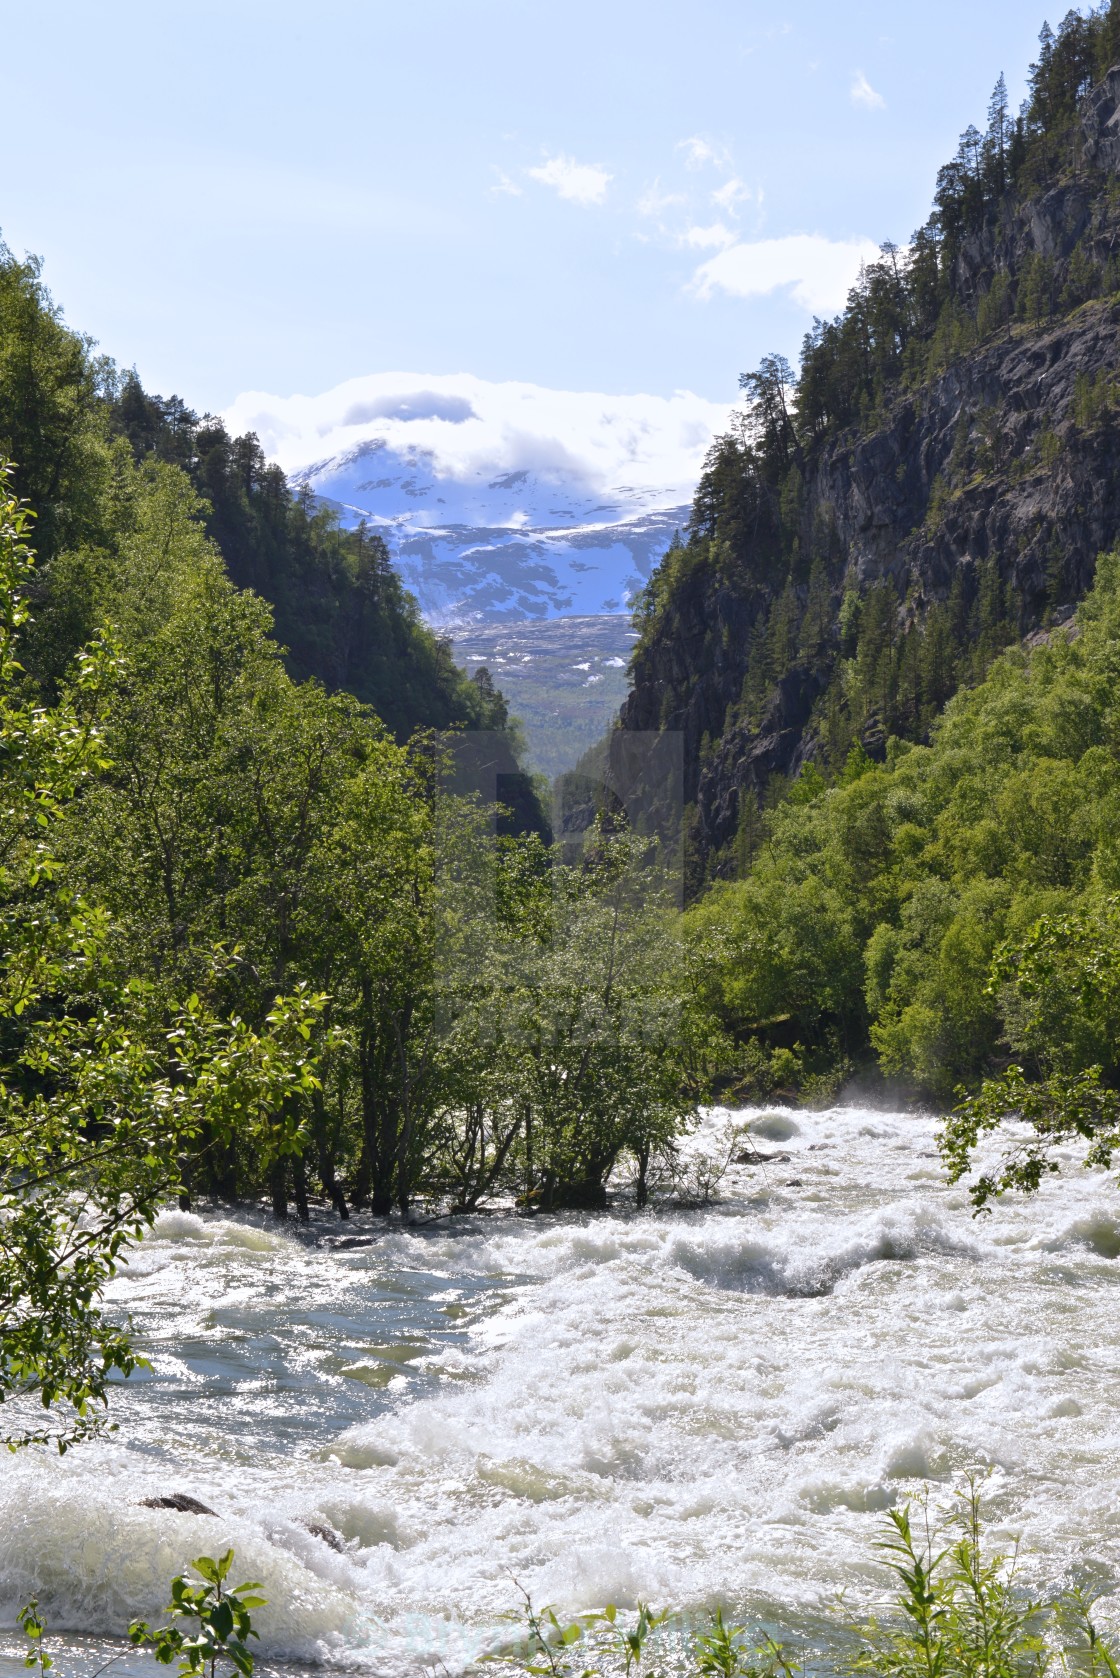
564 678
499 501
501 548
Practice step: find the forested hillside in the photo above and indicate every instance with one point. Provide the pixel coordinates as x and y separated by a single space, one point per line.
77 430
933 483
898 908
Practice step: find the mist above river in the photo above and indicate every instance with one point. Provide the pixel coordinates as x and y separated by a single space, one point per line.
700 1406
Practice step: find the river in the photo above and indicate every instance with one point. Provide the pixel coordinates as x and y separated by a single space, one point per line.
693 1406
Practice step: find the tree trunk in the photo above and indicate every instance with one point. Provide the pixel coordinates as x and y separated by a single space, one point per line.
643 1169
278 1183
299 1173
404 1185
380 1120
363 1179
330 1182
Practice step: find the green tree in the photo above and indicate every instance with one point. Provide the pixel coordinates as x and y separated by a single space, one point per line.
1060 992
103 1084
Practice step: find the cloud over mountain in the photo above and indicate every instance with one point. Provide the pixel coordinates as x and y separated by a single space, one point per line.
652 445
498 500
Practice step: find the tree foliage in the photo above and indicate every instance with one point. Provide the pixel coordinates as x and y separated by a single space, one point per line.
104 1082
952 909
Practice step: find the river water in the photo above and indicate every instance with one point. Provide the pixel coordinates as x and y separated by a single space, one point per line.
690 1406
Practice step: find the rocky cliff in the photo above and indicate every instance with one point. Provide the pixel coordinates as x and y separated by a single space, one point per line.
1004 464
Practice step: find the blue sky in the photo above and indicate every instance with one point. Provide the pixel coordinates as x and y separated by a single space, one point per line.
607 195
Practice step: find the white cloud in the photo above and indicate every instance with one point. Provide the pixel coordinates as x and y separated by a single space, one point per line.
714 238
654 202
698 152
579 183
653 445
818 271
862 93
732 192
507 185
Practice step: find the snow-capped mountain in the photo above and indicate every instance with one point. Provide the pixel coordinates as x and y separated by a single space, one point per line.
499 501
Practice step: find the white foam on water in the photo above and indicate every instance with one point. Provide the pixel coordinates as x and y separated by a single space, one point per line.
691 1407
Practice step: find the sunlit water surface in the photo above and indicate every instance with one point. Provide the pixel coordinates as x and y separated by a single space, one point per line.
715 1405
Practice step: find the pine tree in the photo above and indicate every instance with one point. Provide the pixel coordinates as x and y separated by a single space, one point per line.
1108 38
937 663
906 708
781 634
875 653
1040 80
816 625
756 682
971 150
987 625
998 137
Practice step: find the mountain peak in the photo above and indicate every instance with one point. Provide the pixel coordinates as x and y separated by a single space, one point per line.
503 501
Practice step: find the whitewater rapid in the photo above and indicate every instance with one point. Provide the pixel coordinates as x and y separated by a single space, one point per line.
691 1406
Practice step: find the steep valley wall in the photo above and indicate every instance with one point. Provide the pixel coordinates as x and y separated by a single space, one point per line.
1010 455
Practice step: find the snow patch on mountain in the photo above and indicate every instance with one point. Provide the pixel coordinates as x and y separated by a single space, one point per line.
499 501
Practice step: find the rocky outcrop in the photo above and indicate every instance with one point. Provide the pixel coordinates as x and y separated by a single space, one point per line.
1100 124
1028 477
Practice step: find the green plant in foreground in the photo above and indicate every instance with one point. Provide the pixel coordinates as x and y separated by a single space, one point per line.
543 1651
222 1622
963 1614
629 1646
615 1649
35 1630
1088 1656
724 1652
958 1611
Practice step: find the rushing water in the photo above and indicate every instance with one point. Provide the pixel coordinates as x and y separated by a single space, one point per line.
689 1406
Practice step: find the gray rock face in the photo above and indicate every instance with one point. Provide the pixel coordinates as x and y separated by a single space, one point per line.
1100 123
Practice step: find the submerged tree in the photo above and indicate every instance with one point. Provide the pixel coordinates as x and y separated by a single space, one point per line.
104 1083
1060 988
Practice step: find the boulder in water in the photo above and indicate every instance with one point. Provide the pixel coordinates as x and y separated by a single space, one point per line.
185 1504
323 1530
